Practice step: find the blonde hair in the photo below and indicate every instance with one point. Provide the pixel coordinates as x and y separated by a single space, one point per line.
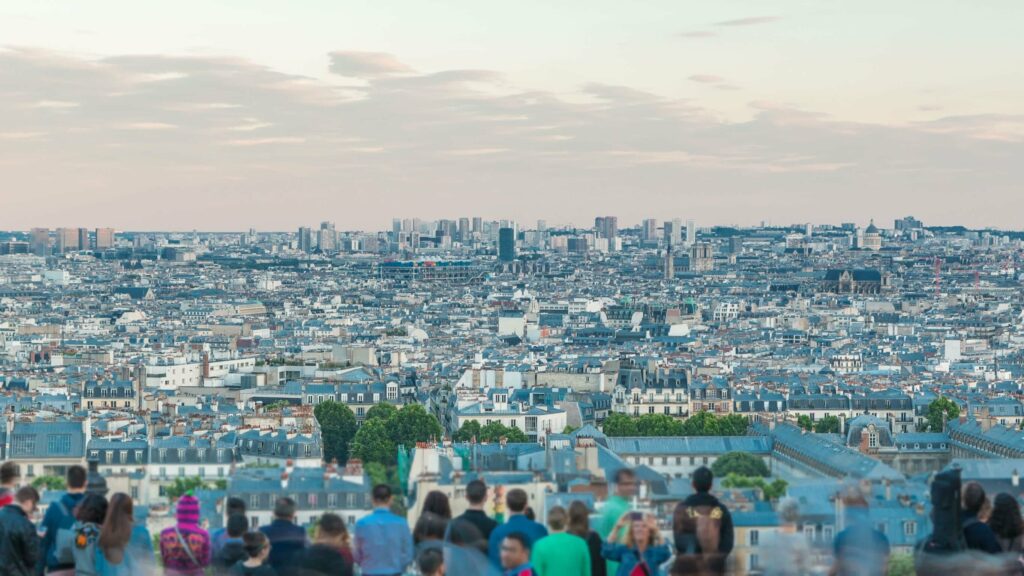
653 539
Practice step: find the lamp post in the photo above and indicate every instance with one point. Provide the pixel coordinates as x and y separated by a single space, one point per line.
96 483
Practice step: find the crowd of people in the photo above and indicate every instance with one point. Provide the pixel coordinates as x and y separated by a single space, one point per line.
91 535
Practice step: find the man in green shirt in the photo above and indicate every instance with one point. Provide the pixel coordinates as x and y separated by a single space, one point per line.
560 553
617 505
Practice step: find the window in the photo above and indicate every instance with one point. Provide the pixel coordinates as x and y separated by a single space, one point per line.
23 444
754 562
254 503
809 533
910 528
755 537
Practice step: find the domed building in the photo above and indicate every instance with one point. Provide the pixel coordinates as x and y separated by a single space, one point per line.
872 238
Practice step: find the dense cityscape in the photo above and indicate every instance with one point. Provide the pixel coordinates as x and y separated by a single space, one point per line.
823 374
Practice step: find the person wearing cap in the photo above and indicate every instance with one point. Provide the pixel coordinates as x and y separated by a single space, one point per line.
185 547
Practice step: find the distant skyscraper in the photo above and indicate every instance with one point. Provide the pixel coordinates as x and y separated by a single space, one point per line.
670 232
506 244
478 224
67 239
650 230
464 231
305 239
40 241
396 228
83 239
542 225
104 238
691 232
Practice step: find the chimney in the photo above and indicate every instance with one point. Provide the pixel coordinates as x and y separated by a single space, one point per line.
1015 478
206 365
284 480
289 466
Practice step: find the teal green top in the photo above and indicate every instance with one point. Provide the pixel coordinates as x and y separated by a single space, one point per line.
561 554
614 507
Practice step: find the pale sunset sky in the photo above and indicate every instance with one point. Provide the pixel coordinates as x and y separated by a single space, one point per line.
225 115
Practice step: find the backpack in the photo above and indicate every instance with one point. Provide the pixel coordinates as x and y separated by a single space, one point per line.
64 540
947 537
700 530
77 546
708 527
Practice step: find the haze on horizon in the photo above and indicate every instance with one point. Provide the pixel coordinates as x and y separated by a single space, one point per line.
225 115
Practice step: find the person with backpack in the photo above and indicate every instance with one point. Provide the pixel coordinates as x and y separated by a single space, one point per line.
639 551
77 545
185 547
113 557
60 517
702 529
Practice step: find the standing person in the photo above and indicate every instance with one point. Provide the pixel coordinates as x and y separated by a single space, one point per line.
579 524
287 539
10 476
640 550
977 534
702 527
476 494
465 551
232 548
516 500
790 552
383 543
330 554
77 546
430 562
219 536
140 546
560 553
429 528
112 555
615 506
515 555
19 542
860 548
258 548
185 547
1007 524
60 516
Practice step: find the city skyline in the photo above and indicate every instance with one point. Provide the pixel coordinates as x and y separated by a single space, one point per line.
147 118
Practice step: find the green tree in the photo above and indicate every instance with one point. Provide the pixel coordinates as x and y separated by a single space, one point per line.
702 424
467 432
384 411
373 443
49 483
337 429
941 410
274 406
827 425
658 425
804 421
413 424
741 464
569 429
619 425
733 425
769 490
494 431
901 564
182 486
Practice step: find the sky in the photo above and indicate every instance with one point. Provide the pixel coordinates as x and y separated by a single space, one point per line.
226 115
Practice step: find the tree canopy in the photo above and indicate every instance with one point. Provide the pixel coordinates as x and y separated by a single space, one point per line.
337 429
492 432
827 425
769 490
940 410
373 443
661 425
741 464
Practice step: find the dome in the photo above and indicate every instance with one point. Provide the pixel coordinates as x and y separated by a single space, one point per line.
871 229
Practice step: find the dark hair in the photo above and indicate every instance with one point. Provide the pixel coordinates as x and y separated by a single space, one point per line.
9 472
117 527
973 497
254 543
429 560
519 537
463 533
237 524
1005 519
235 505
702 479
437 503
381 493
332 525
579 519
76 477
92 508
529 513
430 526
476 491
624 474
516 500
284 507
26 494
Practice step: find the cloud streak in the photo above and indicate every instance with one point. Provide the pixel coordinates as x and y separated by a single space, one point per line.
751 21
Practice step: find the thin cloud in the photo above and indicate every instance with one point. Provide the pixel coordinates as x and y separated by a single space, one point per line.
752 21
366 64
698 34
707 79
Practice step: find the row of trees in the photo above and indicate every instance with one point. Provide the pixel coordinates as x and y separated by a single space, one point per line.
492 432
827 425
383 430
700 424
